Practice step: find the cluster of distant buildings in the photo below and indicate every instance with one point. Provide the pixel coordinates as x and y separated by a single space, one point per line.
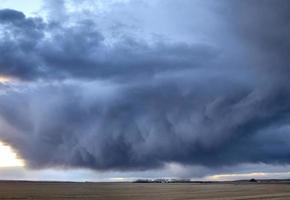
163 181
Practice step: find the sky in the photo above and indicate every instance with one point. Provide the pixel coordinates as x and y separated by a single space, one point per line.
116 90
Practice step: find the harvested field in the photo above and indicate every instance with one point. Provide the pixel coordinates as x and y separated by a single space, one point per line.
133 191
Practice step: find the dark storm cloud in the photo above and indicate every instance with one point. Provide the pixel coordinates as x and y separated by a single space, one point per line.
184 103
146 125
264 27
19 38
9 15
32 49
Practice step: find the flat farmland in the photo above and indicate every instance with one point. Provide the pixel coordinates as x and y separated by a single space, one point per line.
147 191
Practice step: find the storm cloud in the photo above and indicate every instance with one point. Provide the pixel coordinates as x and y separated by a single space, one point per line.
33 49
82 99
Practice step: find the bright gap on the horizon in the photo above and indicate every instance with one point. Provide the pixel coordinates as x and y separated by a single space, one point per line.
8 158
5 79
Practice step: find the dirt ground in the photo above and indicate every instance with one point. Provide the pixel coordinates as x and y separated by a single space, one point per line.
134 191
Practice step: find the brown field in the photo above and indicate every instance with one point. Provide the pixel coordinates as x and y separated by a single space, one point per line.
133 191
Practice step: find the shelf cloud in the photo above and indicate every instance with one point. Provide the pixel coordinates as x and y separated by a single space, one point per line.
131 100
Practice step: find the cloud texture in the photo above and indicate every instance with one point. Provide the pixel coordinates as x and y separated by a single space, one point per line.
124 102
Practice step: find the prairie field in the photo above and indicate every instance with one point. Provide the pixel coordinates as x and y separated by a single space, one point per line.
134 191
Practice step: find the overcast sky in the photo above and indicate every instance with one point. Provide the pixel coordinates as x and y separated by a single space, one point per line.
124 89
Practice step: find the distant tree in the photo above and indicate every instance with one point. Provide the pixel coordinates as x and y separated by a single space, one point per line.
253 180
